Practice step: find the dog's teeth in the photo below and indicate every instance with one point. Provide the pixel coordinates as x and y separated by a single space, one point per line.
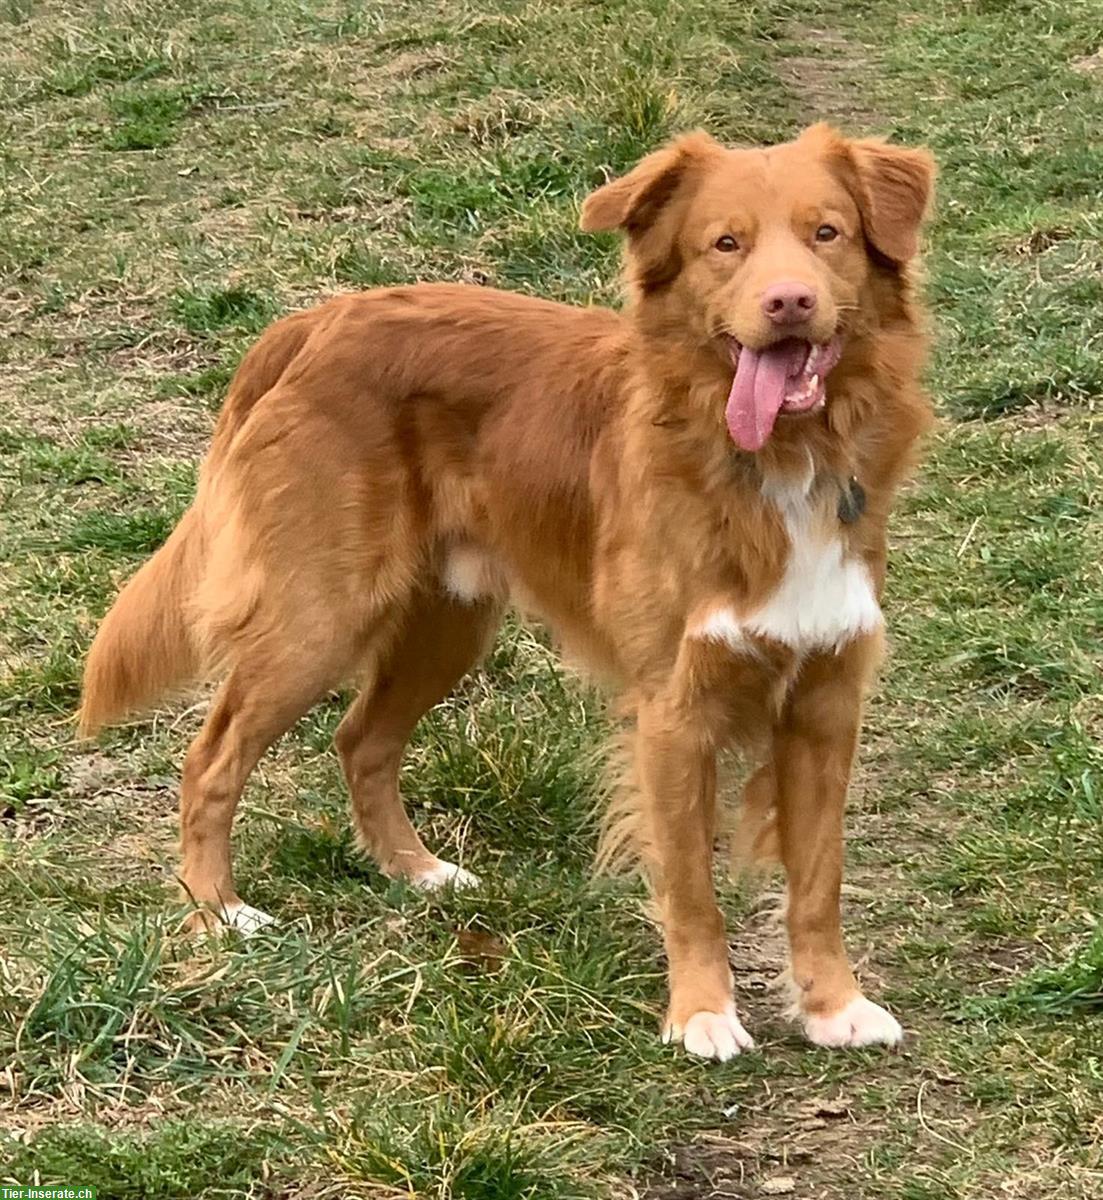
813 383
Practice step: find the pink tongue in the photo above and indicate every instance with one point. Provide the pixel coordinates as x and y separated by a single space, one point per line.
758 391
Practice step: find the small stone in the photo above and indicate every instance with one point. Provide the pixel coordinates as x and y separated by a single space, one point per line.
825 1108
779 1185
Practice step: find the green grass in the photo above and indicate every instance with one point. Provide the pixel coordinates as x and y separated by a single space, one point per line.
145 119
234 307
174 175
120 533
177 1161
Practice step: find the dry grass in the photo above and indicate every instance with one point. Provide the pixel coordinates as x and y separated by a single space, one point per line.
173 174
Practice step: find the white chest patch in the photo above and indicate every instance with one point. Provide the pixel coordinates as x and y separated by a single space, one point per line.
823 600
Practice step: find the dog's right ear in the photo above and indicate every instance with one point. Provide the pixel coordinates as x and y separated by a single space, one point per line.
634 200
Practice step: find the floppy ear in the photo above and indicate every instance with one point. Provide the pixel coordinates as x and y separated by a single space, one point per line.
893 191
634 200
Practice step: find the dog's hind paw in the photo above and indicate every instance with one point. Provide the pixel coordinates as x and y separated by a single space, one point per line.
443 875
860 1023
711 1035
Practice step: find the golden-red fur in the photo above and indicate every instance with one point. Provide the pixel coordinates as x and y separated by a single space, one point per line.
383 447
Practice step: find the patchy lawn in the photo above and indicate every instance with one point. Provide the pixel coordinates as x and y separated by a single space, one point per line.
172 175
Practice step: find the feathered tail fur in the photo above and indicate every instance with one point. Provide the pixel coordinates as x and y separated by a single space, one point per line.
146 646
151 641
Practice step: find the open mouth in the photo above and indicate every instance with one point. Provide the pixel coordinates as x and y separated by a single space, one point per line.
787 377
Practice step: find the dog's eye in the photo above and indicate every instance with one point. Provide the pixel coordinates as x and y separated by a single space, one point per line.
826 233
726 243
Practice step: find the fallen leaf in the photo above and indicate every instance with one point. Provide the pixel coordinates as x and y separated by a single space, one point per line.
482 950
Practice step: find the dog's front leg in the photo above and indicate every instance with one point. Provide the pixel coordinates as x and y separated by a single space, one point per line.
814 746
676 765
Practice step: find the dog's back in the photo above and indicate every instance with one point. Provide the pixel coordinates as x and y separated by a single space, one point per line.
368 417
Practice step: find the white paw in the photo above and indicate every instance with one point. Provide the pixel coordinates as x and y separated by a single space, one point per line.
860 1023
711 1035
444 874
246 919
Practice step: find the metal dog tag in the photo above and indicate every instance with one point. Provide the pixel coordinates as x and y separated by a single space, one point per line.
852 502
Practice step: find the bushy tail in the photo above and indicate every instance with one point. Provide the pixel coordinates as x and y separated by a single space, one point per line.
145 646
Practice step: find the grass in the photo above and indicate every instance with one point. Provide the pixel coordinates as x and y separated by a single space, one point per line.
171 177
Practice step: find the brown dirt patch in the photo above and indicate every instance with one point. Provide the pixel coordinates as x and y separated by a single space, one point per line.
836 82
1089 64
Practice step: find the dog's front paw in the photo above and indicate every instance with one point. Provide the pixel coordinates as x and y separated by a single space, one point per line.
859 1023
718 1035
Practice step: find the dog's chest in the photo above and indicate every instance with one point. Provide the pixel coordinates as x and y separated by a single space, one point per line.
824 597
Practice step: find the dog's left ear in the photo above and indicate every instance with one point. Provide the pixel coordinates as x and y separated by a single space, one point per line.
633 201
893 187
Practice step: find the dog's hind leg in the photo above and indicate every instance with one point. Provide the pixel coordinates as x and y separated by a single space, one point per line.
441 640
263 696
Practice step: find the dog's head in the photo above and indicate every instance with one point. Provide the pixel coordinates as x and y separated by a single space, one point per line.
769 256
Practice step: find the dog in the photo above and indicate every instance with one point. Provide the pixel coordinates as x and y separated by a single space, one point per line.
692 494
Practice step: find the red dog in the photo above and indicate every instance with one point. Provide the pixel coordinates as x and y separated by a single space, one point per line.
693 495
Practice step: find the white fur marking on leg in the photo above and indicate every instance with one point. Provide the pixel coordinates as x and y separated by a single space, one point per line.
860 1023
468 574
444 874
245 919
722 625
712 1035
